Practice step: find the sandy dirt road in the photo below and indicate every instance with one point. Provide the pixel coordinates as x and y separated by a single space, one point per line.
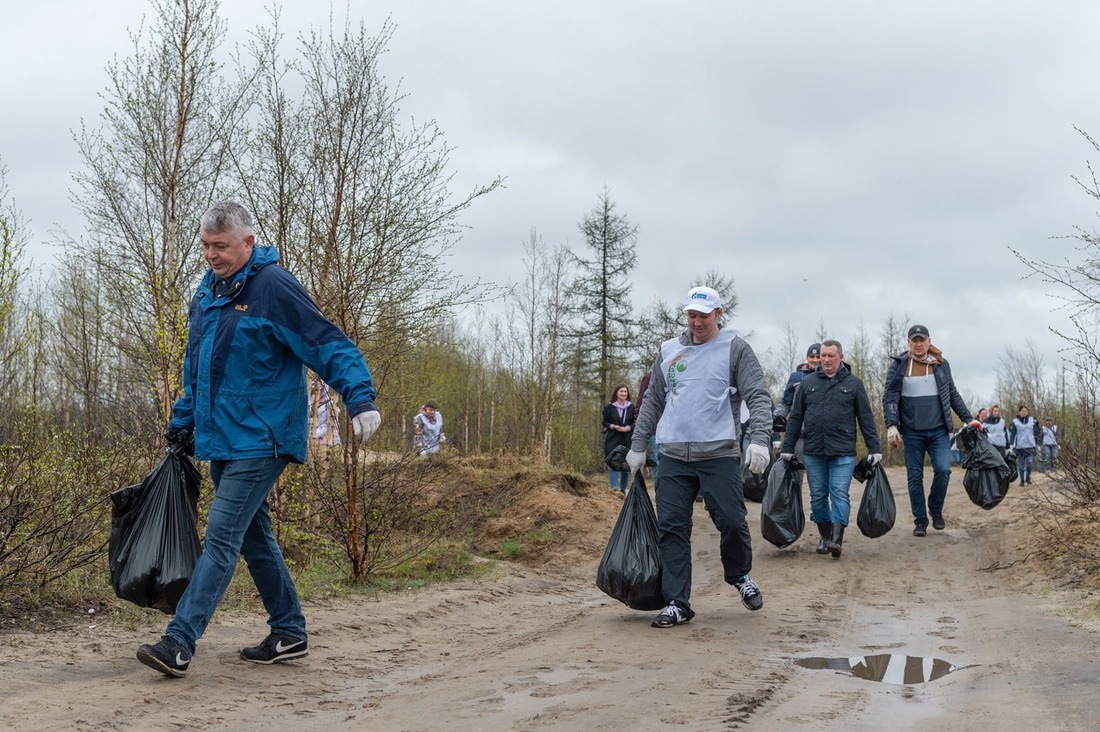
545 650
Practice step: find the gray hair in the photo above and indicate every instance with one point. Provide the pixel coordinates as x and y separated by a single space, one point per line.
831 342
227 216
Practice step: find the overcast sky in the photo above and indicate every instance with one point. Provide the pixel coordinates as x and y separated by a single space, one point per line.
841 161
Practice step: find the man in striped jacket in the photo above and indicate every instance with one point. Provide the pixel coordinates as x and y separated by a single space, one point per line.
917 401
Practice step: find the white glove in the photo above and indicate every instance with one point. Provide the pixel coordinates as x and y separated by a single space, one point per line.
786 456
442 438
893 436
758 458
1011 452
635 460
777 444
366 424
875 458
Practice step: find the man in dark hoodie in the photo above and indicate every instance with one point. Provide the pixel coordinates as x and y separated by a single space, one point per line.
779 421
917 401
827 405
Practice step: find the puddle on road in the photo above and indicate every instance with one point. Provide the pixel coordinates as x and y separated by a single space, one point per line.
889 668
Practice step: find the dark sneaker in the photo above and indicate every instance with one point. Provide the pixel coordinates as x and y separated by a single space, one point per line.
937 522
751 596
920 529
168 656
672 615
275 648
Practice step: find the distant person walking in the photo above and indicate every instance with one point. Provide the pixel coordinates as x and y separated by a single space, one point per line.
1050 443
618 423
827 405
917 400
1025 435
783 409
996 428
327 430
428 429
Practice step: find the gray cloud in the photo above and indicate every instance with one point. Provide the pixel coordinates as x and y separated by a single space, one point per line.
841 161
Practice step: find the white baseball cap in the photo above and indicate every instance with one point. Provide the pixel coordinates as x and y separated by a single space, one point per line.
703 300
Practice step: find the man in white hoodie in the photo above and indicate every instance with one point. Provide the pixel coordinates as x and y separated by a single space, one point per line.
693 405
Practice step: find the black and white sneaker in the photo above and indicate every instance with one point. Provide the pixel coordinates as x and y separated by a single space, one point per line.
751 596
276 648
168 656
672 615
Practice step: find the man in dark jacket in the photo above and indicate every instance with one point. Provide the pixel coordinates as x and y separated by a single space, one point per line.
917 401
827 405
253 332
783 411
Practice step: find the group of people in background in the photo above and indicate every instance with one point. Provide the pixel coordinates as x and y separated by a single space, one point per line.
692 413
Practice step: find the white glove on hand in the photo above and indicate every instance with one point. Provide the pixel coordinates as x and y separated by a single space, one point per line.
366 424
635 460
786 456
777 444
875 458
758 458
893 436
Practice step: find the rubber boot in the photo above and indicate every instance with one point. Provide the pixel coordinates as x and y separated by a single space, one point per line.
836 541
826 530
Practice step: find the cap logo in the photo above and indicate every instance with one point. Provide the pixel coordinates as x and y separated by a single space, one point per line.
699 296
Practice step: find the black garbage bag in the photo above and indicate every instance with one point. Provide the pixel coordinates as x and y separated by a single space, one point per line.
987 475
630 570
755 485
616 459
781 516
154 540
877 510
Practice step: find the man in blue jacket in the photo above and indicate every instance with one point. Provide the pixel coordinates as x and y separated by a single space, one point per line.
253 330
917 401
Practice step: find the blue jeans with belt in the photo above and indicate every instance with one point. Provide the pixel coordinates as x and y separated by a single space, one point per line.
239 523
936 443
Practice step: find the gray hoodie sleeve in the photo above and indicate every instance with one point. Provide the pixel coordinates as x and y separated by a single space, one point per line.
653 406
747 376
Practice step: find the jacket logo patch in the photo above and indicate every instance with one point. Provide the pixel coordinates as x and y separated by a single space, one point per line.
242 308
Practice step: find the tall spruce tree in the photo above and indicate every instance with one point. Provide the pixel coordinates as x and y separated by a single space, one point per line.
604 327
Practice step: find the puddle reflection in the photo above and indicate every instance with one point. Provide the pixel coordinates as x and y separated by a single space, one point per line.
889 668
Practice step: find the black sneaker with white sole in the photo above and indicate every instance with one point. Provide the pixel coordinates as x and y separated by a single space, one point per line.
672 615
168 656
751 596
276 648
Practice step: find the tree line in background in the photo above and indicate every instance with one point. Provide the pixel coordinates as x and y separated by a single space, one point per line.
360 208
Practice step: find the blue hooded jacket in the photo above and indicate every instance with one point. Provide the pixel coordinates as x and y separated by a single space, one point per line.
244 380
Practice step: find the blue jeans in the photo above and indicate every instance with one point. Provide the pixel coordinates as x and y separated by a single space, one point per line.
829 479
1050 452
621 478
937 444
1024 458
240 524
719 483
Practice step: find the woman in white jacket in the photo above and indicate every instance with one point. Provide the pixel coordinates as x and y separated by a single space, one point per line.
428 429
